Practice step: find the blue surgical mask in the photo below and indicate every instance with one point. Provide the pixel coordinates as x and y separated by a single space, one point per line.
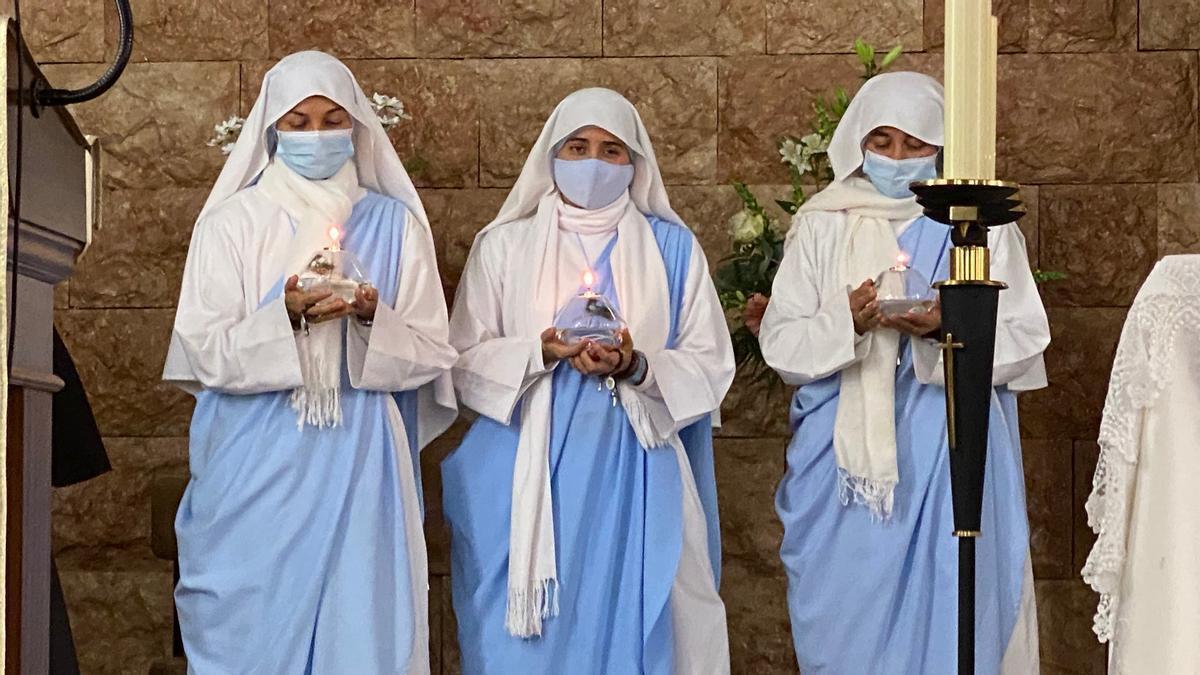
316 155
892 176
592 183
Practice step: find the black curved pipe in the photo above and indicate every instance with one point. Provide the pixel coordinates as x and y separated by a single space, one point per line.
44 95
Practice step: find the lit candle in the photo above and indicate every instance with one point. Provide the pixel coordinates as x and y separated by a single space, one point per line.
589 279
902 260
335 238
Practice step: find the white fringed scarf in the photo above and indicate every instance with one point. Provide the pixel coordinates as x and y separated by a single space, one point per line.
314 206
864 431
641 285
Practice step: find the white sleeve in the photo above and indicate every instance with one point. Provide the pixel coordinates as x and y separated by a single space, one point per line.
1022 330
689 380
493 371
216 342
408 344
805 337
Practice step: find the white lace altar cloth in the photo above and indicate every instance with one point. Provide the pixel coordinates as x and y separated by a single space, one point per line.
1145 500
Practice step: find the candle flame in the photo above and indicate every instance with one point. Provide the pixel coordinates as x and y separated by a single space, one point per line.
335 235
589 278
902 259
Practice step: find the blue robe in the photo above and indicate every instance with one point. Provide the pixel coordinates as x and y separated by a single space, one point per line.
617 523
293 550
881 597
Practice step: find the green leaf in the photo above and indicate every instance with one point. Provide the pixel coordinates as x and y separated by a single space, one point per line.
1044 276
866 53
841 101
798 197
416 165
748 198
821 111
891 56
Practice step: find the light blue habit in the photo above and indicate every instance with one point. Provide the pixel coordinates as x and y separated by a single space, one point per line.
617 523
292 547
881 597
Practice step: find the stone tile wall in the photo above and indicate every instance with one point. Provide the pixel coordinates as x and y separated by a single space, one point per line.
1098 120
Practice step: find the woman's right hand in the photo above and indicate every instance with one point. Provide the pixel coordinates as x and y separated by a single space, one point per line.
864 307
299 302
555 350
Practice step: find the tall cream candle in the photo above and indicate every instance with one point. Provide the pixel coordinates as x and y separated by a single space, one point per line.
970 78
955 164
987 133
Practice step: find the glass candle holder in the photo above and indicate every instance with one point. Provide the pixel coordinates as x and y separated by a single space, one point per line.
336 271
589 316
900 289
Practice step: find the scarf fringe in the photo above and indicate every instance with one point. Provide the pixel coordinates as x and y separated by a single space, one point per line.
639 418
318 402
321 409
878 496
528 606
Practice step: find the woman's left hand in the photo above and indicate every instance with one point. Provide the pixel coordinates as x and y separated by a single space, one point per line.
366 299
917 324
604 360
330 309
752 314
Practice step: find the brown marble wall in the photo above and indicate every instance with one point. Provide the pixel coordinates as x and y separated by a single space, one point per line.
1099 120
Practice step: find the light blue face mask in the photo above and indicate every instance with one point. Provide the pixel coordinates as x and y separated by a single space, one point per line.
592 183
892 176
316 155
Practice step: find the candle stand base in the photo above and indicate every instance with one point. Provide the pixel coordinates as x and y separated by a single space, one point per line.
969 300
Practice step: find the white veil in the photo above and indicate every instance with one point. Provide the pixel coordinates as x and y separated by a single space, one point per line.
293 79
597 107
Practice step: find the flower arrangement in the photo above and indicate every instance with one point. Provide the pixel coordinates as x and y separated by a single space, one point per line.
389 109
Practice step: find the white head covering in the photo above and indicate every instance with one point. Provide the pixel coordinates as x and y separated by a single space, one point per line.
293 79
910 102
864 437
640 279
596 107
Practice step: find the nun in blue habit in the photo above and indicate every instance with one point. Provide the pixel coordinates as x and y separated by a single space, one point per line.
865 500
300 539
582 502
